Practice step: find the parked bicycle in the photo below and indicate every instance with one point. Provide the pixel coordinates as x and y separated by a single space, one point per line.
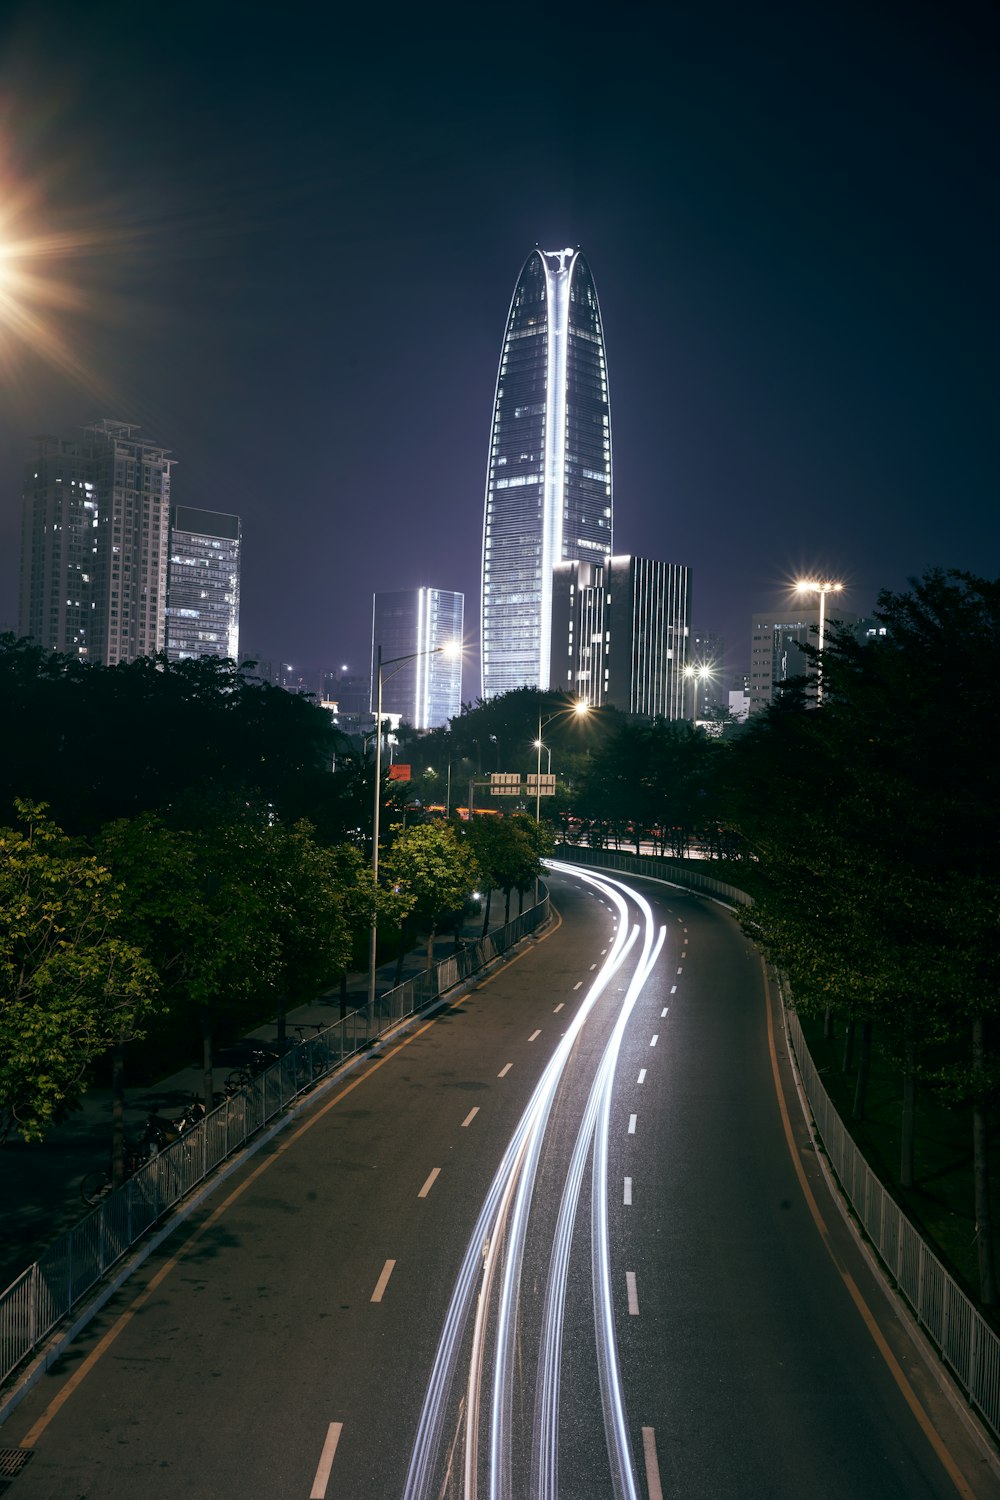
260 1059
158 1133
99 1183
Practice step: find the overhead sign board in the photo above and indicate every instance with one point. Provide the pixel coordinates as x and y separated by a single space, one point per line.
541 786
505 783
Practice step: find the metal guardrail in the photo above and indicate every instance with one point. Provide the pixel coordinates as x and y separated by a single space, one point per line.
656 866
72 1266
967 1344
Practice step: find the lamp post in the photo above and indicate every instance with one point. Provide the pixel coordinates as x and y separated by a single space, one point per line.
398 662
814 586
697 673
579 708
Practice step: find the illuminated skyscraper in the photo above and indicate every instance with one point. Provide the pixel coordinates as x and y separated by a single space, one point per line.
94 544
203 584
548 488
422 624
620 634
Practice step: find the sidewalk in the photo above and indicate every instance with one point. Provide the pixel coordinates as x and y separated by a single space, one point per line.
40 1184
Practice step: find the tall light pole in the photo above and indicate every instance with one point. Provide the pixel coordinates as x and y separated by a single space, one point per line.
815 586
580 708
398 662
700 672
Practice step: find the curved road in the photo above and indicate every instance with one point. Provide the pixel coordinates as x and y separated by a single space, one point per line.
565 1238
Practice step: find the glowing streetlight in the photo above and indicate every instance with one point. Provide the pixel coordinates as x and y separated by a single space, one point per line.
822 588
580 708
453 649
695 673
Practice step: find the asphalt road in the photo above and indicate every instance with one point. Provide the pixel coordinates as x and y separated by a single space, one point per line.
571 1213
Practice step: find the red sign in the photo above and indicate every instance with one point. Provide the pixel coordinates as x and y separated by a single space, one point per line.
399 773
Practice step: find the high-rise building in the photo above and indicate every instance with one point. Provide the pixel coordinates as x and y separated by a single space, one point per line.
94 544
548 488
203 584
776 653
425 625
620 633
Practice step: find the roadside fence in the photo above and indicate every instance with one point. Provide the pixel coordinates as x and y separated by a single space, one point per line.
72 1265
966 1343
653 865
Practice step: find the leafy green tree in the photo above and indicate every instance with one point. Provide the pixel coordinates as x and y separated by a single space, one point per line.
198 905
876 822
436 869
100 743
316 899
506 855
72 984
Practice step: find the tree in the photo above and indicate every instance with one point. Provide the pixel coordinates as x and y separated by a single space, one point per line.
506 856
73 985
315 899
199 906
436 869
876 821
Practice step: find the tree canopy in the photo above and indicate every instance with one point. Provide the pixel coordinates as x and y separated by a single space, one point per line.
71 983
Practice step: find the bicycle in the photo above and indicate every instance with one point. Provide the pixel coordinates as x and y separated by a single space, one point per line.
97 1184
261 1059
317 1058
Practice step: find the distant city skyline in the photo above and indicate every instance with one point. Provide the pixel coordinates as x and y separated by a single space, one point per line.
300 289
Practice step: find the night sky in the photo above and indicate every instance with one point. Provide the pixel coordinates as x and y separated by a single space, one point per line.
286 239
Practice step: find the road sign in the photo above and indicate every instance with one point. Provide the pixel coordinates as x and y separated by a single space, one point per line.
541 786
505 783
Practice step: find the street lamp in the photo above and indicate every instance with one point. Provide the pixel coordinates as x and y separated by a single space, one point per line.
579 708
701 672
397 662
814 586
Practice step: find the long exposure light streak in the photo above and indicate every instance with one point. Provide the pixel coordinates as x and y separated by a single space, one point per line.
493 1259
545 1445
429 1428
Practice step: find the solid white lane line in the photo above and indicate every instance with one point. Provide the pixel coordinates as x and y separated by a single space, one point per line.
642 1076
628 1191
429 1183
534 1035
631 1124
653 1484
383 1280
578 984
505 1069
673 989
654 1039
559 1007
633 1295
318 1491
470 1116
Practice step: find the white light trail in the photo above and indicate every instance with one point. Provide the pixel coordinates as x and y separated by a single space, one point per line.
419 1479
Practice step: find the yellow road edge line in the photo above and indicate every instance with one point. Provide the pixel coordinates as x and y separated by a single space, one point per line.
906 1389
123 1320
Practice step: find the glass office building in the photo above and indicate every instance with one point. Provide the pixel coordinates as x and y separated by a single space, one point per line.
548 489
620 634
424 625
94 544
203 584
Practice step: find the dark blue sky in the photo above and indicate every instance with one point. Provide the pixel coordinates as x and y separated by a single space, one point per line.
309 228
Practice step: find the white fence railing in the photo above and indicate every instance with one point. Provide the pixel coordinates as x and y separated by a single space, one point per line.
72 1266
967 1343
